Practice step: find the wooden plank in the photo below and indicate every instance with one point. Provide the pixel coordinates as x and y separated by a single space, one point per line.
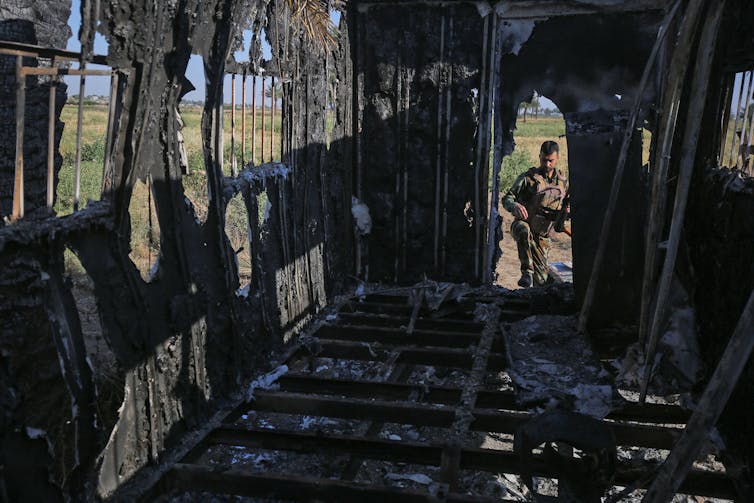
607 222
705 56
663 142
297 488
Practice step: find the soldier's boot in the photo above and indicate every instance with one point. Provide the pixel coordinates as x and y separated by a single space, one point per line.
527 280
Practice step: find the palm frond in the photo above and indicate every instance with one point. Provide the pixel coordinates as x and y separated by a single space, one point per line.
314 16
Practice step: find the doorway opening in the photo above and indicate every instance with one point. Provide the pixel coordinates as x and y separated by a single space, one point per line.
538 120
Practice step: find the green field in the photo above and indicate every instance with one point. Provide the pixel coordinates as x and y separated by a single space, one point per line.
528 137
145 235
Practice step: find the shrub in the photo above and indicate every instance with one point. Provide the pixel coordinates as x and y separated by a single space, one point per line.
513 165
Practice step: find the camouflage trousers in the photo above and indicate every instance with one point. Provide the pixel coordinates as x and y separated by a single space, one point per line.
532 251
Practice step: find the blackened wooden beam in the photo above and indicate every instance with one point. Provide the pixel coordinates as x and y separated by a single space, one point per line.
699 482
297 488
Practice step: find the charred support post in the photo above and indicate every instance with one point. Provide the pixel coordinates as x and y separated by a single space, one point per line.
700 84
79 129
663 144
618 176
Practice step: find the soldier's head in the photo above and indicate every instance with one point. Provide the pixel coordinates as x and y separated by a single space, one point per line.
549 154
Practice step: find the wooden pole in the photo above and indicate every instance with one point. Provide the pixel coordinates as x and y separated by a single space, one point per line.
233 124
243 119
262 159
272 120
678 463
18 184
51 144
253 118
745 126
698 98
607 221
107 175
79 129
735 122
663 143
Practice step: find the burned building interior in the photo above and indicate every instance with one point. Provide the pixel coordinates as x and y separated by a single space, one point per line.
369 354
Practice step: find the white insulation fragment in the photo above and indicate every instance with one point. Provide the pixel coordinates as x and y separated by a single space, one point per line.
266 381
360 212
419 478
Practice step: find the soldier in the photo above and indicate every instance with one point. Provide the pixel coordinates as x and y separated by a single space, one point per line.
535 200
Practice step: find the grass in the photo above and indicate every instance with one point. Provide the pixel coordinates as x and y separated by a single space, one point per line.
145 236
529 137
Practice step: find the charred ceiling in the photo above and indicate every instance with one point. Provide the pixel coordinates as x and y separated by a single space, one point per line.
381 164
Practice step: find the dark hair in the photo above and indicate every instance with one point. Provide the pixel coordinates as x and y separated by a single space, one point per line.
549 147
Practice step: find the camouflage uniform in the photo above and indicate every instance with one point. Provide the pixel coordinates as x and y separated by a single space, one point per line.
543 198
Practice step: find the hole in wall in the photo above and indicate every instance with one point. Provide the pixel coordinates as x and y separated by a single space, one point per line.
108 376
95 102
237 231
194 177
95 110
539 120
145 231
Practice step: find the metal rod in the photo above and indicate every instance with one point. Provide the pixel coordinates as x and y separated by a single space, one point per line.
51 145
735 123
233 124
263 91
699 87
253 118
79 128
243 120
607 221
272 119
35 70
36 51
438 157
18 185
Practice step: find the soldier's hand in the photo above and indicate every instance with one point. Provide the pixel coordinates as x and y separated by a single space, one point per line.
519 211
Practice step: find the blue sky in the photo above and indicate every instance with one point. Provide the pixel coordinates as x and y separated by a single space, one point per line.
194 72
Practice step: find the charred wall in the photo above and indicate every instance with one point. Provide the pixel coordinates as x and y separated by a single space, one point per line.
187 338
419 160
426 78
719 272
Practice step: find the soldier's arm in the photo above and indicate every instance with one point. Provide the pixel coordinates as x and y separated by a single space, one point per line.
511 198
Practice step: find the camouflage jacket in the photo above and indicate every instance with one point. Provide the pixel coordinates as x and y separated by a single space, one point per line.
542 197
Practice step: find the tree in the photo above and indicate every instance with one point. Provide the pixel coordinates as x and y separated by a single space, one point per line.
278 91
534 104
